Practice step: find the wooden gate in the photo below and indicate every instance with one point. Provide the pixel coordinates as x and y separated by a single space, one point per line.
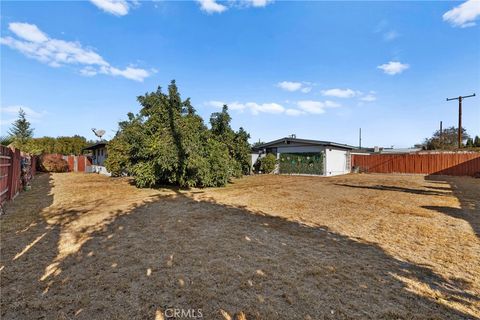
11 178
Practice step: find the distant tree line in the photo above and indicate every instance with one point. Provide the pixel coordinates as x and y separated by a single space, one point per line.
167 142
20 136
447 139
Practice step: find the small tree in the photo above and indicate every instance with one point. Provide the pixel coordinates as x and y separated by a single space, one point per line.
476 142
447 139
21 131
470 143
267 163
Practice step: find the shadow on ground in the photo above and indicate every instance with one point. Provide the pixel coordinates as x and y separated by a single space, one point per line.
395 188
176 252
467 191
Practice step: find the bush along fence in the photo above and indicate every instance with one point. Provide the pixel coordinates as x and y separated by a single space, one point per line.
17 169
451 164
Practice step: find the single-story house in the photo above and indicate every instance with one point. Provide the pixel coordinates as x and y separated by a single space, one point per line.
99 155
302 156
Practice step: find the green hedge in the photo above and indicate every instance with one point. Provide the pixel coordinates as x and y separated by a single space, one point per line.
301 163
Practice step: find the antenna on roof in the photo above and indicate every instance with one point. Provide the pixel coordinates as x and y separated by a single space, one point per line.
293 136
99 133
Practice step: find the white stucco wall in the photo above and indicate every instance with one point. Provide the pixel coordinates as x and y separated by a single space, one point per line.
336 162
254 159
99 156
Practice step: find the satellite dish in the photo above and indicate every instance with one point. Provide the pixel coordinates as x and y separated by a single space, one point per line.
98 132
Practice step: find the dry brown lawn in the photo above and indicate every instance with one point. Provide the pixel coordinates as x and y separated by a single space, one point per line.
84 246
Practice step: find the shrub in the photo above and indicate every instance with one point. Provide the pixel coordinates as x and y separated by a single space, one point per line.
267 163
53 163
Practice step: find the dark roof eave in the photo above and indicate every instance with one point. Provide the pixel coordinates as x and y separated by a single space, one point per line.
306 141
95 146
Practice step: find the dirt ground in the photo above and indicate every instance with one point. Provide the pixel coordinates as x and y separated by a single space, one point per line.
85 246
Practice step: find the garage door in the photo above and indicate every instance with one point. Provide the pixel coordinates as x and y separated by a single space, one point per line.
301 163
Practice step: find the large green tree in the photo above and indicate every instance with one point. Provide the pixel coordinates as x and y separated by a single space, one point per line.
21 130
237 142
167 142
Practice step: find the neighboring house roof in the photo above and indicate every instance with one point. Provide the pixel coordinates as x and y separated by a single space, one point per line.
95 146
400 150
381 150
288 140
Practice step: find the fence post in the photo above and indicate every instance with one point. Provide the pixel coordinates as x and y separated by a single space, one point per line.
13 175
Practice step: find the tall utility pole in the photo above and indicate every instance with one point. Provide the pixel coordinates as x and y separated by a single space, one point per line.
360 139
441 135
460 98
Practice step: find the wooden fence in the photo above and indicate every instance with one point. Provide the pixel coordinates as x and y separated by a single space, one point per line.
16 171
452 164
78 163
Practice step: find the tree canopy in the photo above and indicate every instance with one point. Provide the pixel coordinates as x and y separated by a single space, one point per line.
58 145
167 142
447 139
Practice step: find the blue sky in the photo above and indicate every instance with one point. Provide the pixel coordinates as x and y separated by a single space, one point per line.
320 70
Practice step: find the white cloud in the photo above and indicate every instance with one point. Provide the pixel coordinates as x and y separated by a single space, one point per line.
390 35
115 7
253 107
15 109
294 112
35 44
258 3
393 67
341 93
289 85
215 103
316 107
88 71
369 97
129 72
302 107
211 6
28 32
464 15
216 6
295 86
265 107
11 112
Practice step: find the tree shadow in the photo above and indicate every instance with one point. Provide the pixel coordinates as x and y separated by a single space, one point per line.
395 188
177 252
467 191
25 234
